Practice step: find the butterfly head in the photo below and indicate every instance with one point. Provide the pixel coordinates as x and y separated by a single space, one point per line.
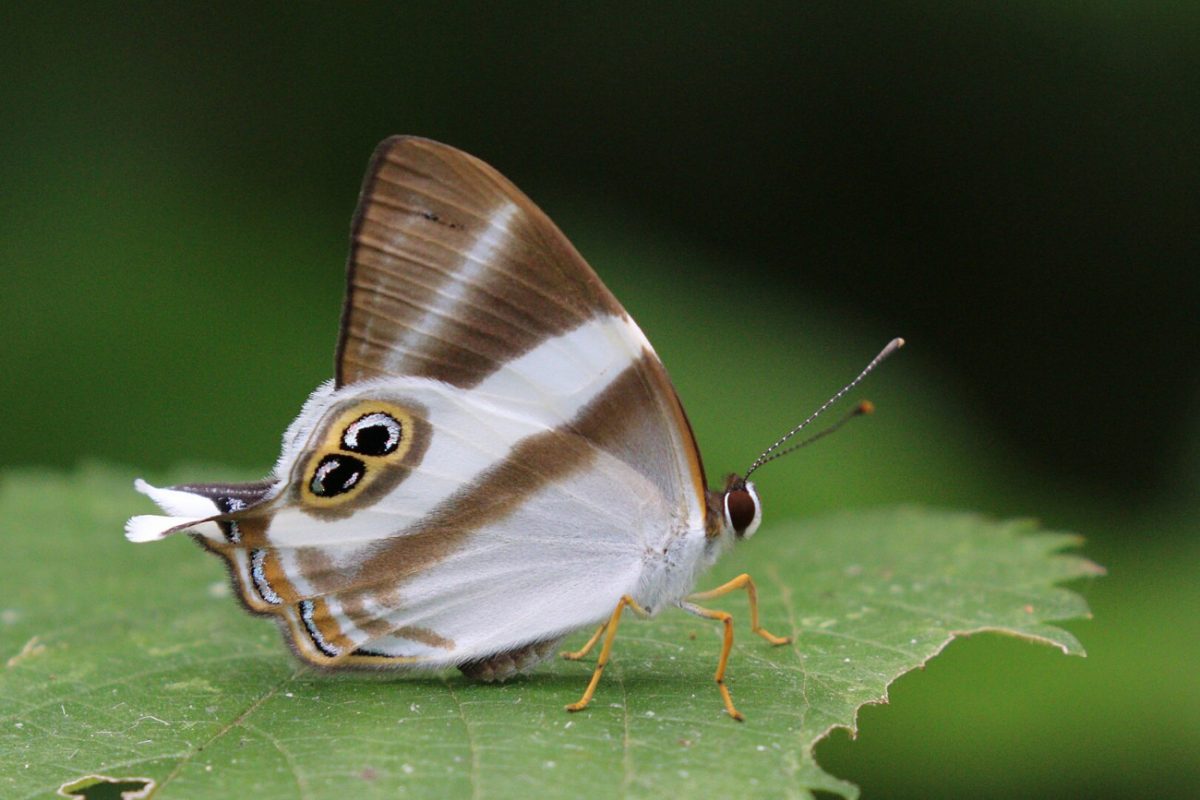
739 503
741 507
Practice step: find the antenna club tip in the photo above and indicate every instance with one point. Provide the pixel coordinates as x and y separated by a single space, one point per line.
865 407
898 342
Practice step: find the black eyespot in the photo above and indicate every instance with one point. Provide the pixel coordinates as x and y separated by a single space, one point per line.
375 434
739 505
336 474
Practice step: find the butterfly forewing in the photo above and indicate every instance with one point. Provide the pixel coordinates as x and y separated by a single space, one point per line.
453 271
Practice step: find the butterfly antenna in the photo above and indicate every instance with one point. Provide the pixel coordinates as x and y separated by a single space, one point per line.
773 452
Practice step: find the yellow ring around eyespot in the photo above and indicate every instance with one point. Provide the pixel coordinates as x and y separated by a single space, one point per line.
331 444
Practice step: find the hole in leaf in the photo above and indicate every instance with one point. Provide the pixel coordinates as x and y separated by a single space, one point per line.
102 787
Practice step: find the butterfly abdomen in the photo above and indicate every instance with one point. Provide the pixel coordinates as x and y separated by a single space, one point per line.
502 666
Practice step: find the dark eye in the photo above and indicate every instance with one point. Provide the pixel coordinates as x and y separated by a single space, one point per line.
336 475
374 434
739 505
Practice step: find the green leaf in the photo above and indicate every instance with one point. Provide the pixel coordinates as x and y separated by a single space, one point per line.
134 662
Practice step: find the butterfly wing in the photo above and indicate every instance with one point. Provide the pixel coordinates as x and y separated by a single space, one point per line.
453 272
543 450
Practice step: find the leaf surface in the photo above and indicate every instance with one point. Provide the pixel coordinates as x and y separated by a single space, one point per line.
134 662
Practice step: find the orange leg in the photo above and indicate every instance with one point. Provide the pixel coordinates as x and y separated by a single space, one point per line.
587 648
743 581
727 620
611 625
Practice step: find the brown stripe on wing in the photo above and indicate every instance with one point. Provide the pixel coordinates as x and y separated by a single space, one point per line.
357 602
640 420
532 464
366 657
453 271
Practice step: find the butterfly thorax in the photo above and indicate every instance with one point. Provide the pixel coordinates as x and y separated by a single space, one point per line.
671 572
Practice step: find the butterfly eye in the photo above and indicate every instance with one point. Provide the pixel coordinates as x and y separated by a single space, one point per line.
742 511
375 434
336 474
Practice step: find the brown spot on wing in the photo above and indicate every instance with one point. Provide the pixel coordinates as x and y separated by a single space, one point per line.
424 636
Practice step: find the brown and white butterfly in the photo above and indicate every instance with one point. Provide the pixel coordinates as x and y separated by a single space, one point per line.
500 461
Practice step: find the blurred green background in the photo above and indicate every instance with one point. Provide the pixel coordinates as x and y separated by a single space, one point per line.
773 191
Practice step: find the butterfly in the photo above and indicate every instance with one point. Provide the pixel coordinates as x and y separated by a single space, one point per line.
500 460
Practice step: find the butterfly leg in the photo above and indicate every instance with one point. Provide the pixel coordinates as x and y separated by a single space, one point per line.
726 619
587 648
611 626
744 581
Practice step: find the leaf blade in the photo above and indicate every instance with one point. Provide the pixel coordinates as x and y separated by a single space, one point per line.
147 668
